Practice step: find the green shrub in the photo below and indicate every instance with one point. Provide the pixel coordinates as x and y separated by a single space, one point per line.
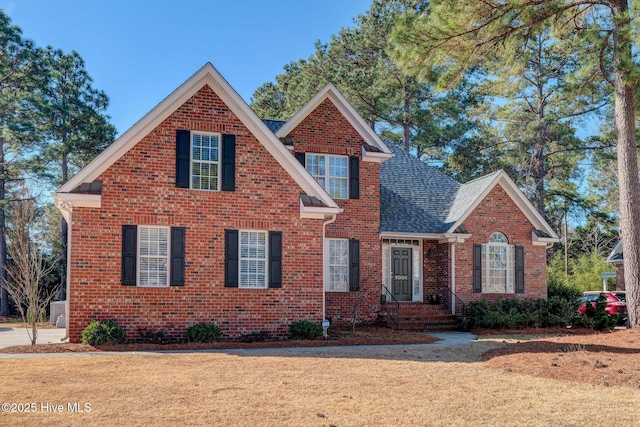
518 313
564 292
596 317
305 330
203 332
42 316
102 332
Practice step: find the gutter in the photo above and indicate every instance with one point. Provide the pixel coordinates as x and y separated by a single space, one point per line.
331 220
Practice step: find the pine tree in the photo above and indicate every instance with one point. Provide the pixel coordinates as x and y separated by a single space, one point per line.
458 35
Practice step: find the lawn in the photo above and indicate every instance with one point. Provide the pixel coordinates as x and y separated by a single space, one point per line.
342 387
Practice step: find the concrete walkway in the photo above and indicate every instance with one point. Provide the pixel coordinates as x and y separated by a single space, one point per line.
18 336
10 336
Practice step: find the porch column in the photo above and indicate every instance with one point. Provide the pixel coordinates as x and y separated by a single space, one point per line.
453 277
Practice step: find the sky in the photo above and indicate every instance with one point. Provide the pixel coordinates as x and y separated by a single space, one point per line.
139 51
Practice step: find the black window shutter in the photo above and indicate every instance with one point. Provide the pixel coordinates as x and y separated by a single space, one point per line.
354 177
231 258
275 259
520 269
477 268
129 253
301 158
183 144
176 272
228 163
354 265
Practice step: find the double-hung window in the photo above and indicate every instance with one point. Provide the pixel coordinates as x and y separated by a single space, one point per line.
498 264
253 259
331 172
205 161
153 256
338 266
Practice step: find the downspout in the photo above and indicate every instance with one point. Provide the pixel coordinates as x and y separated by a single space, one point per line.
65 209
324 265
453 276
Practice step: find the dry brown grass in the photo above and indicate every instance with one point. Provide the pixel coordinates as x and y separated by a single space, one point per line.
342 387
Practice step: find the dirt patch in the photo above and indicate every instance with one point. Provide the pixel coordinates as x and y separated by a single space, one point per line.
363 335
605 359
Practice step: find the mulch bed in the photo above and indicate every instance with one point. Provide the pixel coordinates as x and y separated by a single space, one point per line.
363 335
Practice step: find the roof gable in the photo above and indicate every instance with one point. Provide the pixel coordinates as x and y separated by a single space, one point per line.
331 93
473 192
417 198
617 255
207 75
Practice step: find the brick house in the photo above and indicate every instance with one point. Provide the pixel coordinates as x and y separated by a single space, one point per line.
203 212
616 259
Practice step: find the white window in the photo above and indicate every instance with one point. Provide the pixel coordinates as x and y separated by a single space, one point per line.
253 259
153 256
331 172
205 161
338 268
498 265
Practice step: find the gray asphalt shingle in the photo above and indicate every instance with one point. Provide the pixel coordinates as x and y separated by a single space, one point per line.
417 198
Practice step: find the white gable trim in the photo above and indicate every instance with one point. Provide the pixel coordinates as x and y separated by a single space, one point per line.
518 198
617 249
346 109
207 75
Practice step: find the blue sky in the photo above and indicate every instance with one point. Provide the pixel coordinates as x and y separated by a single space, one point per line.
139 51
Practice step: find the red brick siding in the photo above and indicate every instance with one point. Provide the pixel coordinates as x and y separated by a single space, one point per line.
140 189
498 213
326 130
436 270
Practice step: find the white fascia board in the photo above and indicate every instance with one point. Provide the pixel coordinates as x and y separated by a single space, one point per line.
207 75
454 238
615 251
518 198
375 157
440 237
317 212
340 102
542 241
71 200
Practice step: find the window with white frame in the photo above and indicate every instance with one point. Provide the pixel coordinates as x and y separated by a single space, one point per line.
205 161
498 265
338 267
153 256
253 259
331 172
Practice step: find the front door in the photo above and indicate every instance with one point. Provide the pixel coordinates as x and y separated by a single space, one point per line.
401 273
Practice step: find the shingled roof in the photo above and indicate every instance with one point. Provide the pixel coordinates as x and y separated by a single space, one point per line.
417 198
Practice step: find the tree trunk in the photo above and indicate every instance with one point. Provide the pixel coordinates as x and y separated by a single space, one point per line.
406 126
64 236
629 186
4 303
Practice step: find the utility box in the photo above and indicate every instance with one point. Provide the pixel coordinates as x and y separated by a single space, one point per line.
57 309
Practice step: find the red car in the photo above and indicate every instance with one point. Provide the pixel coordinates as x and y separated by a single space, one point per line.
616 302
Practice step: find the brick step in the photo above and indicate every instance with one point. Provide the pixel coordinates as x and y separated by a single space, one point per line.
420 318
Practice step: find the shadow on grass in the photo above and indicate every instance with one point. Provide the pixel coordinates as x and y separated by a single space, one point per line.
540 347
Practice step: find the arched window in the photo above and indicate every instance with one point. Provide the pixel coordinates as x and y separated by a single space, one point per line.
498 265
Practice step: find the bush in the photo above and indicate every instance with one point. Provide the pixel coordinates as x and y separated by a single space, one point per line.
203 332
102 332
305 330
519 313
596 317
564 292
